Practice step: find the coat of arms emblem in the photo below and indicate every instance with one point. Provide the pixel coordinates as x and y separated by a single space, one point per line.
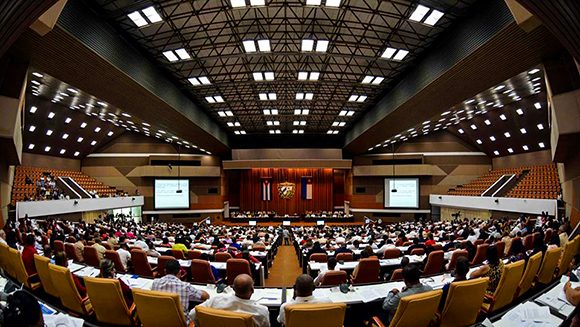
286 190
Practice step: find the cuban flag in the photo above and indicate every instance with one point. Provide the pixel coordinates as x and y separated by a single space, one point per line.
266 189
306 188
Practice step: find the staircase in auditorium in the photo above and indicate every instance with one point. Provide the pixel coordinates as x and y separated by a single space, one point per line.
531 182
22 191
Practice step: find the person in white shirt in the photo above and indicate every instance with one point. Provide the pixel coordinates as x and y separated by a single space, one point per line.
124 254
140 243
3 237
303 288
239 302
100 249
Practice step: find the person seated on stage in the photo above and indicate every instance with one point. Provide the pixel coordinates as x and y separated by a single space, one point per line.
60 260
331 265
303 288
239 302
416 245
171 283
411 276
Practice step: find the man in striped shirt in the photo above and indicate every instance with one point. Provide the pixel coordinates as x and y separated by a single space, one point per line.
171 283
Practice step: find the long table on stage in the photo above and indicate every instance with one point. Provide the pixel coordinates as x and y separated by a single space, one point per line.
280 219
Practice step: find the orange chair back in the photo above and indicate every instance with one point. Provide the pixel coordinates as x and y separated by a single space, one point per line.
418 251
178 254
344 257
116 259
392 254
235 267
193 254
161 261
140 263
91 256
69 250
397 274
333 278
454 256
318 257
368 271
58 246
480 254
434 263
222 257
201 272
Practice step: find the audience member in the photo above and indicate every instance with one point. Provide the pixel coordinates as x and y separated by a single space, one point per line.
124 255
172 283
28 254
461 271
239 302
108 271
303 288
493 269
60 260
22 310
331 265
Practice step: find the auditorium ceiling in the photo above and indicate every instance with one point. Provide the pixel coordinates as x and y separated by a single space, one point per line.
508 118
284 66
62 120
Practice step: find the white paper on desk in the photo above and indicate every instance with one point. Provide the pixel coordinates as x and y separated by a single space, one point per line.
437 282
74 267
268 296
339 297
88 272
62 320
528 312
369 294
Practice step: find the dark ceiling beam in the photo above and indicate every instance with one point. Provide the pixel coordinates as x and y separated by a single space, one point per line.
561 17
16 16
484 50
85 52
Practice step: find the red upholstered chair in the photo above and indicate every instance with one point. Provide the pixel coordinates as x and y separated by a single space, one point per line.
333 278
454 256
344 257
480 254
177 254
528 242
161 261
318 257
140 264
500 246
258 248
434 263
368 271
418 251
437 247
222 257
91 256
397 274
478 242
201 272
235 267
193 254
116 259
59 246
514 240
392 254
71 253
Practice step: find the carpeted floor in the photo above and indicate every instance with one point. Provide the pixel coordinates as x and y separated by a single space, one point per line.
285 268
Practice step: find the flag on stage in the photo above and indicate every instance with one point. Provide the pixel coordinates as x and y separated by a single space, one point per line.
266 189
306 188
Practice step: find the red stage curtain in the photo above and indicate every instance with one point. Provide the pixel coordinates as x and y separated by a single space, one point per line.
251 196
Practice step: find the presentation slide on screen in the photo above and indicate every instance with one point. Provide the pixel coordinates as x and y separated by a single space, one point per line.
401 192
167 195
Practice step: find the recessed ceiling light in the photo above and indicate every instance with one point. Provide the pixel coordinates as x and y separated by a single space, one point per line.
479 141
80 139
461 131
32 128
97 129
523 130
492 138
520 112
125 115
496 153
51 115
538 105
473 127
487 122
507 134
502 117
93 143
83 125
510 150
62 151
525 147
49 132
30 146
64 136
499 87
540 126
110 133
541 145
533 71
32 109
47 149
77 154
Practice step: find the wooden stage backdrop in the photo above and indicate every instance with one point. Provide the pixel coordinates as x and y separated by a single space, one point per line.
250 184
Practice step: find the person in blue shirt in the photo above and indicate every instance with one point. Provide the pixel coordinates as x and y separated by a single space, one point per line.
461 271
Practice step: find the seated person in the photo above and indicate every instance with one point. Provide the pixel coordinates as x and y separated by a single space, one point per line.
124 255
411 275
108 271
493 269
22 309
60 260
315 249
240 302
28 254
303 288
461 271
416 245
573 294
331 265
342 248
171 283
